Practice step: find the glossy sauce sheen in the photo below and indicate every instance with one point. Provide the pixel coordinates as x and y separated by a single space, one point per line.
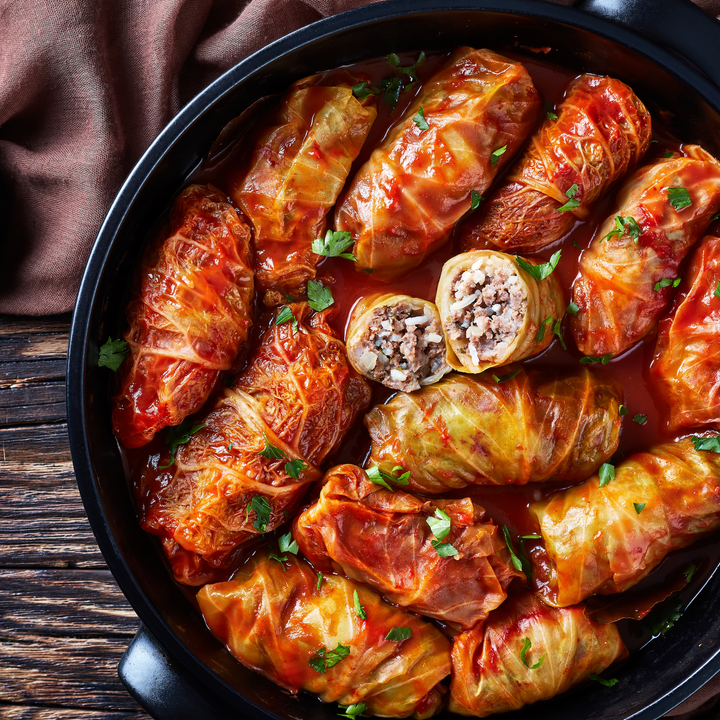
505 506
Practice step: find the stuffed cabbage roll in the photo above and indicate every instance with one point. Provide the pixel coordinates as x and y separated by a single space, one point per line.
601 129
189 318
303 632
397 340
660 500
254 453
626 275
466 123
494 311
297 170
385 539
527 652
526 427
686 368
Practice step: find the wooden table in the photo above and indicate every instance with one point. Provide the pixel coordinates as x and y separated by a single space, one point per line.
64 624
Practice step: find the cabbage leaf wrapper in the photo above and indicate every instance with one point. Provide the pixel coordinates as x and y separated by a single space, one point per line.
404 201
189 317
601 129
474 431
494 312
383 538
489 675
276 619
596 542
686 367
298 395
298 168
624 282
397 340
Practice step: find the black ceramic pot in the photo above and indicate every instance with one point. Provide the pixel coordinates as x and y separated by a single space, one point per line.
174 667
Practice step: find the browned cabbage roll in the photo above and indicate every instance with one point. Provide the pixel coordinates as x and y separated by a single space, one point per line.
601 129
475 431
397 340
403 202
564 648
384 539
493 312
616 534
303 632
297 170
686 367
626 276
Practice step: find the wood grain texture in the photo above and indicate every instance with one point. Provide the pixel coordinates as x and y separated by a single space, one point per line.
28 712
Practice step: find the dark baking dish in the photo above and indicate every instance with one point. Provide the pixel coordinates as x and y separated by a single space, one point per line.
174 667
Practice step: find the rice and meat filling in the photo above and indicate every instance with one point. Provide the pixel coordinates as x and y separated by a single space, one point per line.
488 309
402 347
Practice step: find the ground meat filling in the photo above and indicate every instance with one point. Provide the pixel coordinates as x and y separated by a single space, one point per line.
402 346
487 310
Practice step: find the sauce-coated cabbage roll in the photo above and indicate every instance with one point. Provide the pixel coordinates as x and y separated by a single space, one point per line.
404 201
605 539
686 368
475 431
626 275
383 538
494 312
489 675
256 451
601 129
297 170
303 632
397 340
189 318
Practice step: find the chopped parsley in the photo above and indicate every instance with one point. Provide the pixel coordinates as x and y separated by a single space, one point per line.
667 282
572 203
390 89
361 90
640 419
359 609
497 154
668 154
294 467
286 543
557 330
112 354
539 272
399 634
661 620
284 316
551 116
628 224
622 410
534 536
606 474
715 217
380 477
319 297
320 579
541 330
353 711
576 244
505 378
689 572
475 199
262 509
508 541
420 121
335 244
179 435
444 549
572 308
711 444
639 507
410 70
679 197
439 524
593 360
606 682
527 644
717 290
323 659
270 452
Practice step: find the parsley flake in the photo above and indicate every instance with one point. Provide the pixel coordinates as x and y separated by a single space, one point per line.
593 360
286 543
622 225
668 154
497 154
475 199
335 244
551 116
359 609
320 579
444 549
639 507
390 89
622 410
527 644
270 452
262 510
606 682
689 572
505 378
665 617
640 419
710 444
534 536
294 467
541 330
112 354
319 297
411 70
508 541
284 316
667 282
420 121
539 272
606 474
361 90
399 634
379 477
717 290
679 197
557 330
179 435
576 244
572 308
572 203
280 558
323 659
353 711
439 524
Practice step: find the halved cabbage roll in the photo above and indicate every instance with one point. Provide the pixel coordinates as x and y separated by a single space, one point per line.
189 318
660 500
397 340
494 312
297 170
524 428
686 368
383 538
303 632
526 652
601 129
466 123
626 275
251 459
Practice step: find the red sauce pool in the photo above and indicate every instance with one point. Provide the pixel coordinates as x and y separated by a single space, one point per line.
505 505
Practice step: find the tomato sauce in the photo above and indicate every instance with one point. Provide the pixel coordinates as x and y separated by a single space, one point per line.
504 505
